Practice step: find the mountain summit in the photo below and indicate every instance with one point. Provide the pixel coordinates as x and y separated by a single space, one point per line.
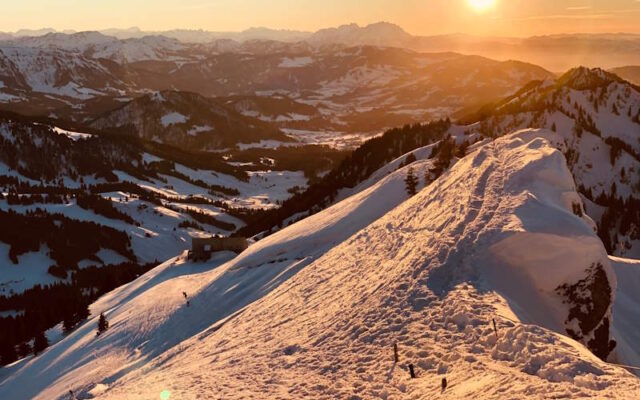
378 34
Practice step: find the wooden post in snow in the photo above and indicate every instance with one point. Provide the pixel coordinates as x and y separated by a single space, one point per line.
395 352
495 328
411 371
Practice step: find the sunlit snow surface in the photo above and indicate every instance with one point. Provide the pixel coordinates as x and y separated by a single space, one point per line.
314 309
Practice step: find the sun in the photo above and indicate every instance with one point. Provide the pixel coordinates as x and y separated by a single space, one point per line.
481 5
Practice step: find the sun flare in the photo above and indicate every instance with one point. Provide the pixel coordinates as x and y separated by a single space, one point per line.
481 5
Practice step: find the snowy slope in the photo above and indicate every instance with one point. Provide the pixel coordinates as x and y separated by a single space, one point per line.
96 45
186 120
626 311
231 287
313 310
595 119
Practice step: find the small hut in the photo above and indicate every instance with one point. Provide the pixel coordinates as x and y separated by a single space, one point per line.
203 245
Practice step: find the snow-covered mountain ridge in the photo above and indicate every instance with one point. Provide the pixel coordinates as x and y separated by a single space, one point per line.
593 117
555 52
305 89
187 121
307 313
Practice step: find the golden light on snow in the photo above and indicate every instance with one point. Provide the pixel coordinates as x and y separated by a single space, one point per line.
482 5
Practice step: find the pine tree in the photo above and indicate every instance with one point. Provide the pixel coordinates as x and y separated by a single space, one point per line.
411 182
24 349
103 324
410 159
79 312
462 150
7 353
553 127
40 342
68 325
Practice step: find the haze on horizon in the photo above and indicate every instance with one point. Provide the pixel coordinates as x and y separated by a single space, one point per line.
418 17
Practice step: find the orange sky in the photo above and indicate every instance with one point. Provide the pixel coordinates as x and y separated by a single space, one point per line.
420 17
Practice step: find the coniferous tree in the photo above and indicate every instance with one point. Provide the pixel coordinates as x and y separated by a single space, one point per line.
411 182
462 150
78 313
24 349
40 342
7 353
411 158
68 324
443 154
103 324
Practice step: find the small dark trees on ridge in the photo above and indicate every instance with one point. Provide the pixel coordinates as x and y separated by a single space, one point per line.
40 342
411 182
103 324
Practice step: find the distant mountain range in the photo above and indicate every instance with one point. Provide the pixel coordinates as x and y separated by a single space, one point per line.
554 52
297 86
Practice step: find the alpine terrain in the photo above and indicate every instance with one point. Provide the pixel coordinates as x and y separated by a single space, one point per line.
315 309
353 212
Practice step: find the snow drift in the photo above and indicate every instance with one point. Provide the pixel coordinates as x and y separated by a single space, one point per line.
315 309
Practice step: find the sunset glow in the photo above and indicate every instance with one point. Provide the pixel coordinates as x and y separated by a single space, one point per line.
514 18
482 5
291 199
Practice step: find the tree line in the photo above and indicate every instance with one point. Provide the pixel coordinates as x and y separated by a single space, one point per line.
353 169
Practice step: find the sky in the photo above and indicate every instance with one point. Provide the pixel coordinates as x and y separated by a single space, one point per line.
419 17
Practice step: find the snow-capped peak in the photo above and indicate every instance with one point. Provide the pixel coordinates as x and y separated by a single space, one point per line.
582 78
381 33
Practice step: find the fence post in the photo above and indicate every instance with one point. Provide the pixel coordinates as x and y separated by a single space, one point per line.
411 371
395 352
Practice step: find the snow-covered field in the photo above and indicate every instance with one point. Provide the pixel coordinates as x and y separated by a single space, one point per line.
315 309
336 140
158 236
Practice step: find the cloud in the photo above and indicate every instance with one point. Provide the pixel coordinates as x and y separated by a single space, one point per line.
567 16
579 8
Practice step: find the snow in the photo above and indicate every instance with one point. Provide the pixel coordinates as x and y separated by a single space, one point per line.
8 98
32 270
172 118
154 239
264 189
97 46
314 309
71 135
590 162
6 171
295 62
197 129
266 144
336 140
626 311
